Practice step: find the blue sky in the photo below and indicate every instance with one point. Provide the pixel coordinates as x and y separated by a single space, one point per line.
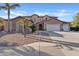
64 11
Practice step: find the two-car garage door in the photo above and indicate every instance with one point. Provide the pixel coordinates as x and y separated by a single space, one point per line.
56 27
53 27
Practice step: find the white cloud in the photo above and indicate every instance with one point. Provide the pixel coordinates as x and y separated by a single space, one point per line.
17 13
5 16
62 10
40 13
14 14
77 11
58 13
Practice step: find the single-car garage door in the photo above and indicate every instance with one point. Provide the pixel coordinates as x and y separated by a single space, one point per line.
53 27
66 27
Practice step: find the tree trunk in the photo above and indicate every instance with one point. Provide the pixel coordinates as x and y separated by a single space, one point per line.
8 19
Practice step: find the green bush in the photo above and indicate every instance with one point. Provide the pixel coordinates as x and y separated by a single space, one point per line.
33 27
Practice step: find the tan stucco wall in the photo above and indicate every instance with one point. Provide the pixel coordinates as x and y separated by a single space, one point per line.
5 23
35 18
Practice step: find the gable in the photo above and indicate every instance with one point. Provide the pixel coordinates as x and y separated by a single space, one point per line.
54 21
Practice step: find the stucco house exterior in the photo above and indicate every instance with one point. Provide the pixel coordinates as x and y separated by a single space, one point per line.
47 23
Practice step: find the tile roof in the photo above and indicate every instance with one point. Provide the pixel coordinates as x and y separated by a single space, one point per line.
36 20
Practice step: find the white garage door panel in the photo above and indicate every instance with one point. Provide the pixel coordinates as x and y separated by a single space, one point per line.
53 27
66 27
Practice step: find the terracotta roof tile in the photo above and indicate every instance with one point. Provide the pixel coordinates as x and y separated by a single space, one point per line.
37 21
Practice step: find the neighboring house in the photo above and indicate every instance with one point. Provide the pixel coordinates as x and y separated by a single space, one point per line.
48 23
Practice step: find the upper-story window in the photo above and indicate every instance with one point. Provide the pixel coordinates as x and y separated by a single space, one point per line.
45 17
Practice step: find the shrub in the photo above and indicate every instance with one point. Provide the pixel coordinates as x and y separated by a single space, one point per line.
33 27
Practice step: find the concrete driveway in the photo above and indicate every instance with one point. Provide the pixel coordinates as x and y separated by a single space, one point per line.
70 35
45 49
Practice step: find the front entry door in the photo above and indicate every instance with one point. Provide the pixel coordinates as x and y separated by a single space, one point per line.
40 26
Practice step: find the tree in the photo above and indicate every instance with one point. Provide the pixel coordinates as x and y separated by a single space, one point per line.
75 23
23 22
1 23
8 7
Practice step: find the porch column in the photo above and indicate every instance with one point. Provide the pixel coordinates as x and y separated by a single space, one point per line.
5 24
61 27
37 27
13 26
44 26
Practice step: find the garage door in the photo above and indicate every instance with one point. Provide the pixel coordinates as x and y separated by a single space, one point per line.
53 27
66 27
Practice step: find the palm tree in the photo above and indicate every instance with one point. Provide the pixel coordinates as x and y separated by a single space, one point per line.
8 7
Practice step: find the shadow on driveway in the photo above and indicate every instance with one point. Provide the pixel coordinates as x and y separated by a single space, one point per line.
30 51
69 45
